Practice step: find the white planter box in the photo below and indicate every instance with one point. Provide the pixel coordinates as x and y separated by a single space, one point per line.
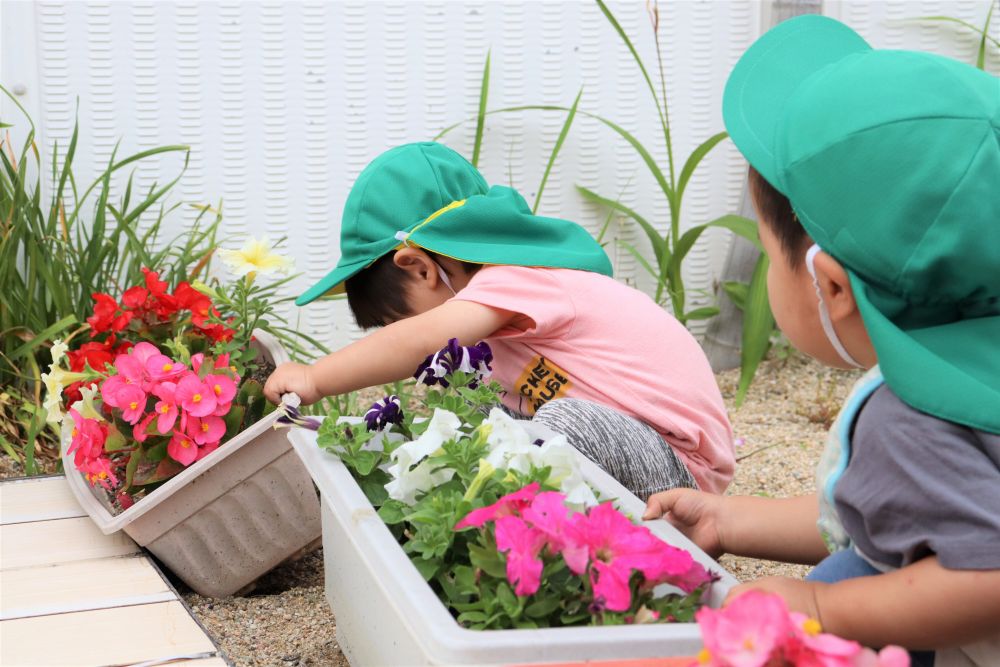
387 614
228 518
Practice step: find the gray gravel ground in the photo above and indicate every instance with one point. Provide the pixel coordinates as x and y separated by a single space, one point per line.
780 430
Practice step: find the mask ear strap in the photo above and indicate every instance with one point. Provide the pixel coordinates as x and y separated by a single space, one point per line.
444 278
824 314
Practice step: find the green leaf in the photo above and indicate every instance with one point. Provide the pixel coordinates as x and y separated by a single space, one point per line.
373 487
157 452
365 461
392 512
427 568
471 617
484 91
114 441
133 463
542 608
555 150
657 242
737 292
508 600
697 155
701 313
758 323
487 560
639 258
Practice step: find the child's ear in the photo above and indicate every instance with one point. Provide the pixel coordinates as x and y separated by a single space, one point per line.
417 264
835 287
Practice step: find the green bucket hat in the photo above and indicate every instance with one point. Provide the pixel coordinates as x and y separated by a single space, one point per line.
427 195
891 160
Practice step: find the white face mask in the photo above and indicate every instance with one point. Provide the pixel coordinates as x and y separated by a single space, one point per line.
824 314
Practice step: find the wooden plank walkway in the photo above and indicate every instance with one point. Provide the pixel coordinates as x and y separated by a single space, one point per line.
70 595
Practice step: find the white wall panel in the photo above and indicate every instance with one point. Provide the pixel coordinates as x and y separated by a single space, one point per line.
283 103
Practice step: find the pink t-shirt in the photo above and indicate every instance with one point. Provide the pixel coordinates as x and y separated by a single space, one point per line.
596 339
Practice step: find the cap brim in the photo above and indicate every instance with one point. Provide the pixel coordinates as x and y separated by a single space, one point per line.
332 283
937 369
769 73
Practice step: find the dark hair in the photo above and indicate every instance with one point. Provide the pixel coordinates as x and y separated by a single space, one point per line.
377 294
776 212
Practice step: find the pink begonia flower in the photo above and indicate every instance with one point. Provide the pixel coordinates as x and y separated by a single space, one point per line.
166 408
140 432
132 401
88 438
549 514
222 386
746 633
130 369
160 367
207 449
522 543
143 351
206 429
99 471
811 648
182 449
196 397
512 503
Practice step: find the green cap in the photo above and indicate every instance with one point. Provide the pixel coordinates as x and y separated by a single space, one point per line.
427 195
891 160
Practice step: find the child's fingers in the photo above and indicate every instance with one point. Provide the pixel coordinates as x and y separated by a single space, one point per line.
658 505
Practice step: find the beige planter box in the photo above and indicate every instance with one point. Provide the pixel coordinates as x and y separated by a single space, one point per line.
228 518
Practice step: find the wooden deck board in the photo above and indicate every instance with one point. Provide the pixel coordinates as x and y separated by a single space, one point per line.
123 635
81 586
37 500
58 541
70 595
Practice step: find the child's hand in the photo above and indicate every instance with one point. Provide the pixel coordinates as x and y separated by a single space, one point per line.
799 595
694 513
292 377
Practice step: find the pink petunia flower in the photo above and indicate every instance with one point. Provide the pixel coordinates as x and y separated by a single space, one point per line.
549 514
747 632
196 397
512 503
182 449
206 429
522 543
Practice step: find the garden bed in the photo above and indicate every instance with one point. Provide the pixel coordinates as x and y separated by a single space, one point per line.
286 620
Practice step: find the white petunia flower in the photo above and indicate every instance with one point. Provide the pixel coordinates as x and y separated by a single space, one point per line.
59 349
409 480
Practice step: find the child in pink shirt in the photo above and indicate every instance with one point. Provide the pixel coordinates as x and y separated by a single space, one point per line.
430 252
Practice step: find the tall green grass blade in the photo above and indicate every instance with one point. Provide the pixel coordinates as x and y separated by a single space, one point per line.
981 56
758 323
484 91
951 19
638 60
697 155
703 313
658 244
43 336
642 260
563 133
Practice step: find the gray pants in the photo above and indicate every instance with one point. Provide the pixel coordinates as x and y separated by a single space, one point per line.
627 449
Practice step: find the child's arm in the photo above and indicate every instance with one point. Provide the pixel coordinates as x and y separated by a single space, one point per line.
921 606
775 529
389 354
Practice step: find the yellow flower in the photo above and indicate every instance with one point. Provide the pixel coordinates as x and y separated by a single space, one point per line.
256 256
